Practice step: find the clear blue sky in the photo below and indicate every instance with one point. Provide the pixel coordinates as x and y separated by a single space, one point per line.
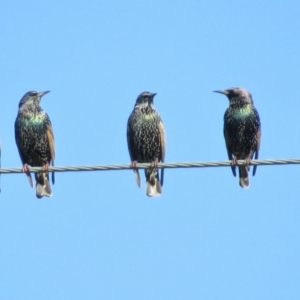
99 236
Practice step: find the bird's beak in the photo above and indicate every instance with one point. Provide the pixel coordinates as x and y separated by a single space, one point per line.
41 94
224 92
150 99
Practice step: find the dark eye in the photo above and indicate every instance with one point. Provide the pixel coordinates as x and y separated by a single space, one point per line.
33 93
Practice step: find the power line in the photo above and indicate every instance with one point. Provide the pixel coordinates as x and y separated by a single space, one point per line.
263 162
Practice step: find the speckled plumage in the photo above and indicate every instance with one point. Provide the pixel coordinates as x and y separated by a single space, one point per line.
35 140
146 141
242 131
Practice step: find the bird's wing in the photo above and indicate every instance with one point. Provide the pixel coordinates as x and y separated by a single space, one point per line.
258 139
129 141
230 156
130 146
19 146
50 138
162 137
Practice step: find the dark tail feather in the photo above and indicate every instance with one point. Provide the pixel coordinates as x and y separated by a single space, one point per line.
153 184
244 178
43 187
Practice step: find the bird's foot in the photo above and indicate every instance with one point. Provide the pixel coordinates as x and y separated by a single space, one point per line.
247 162
234 161
25 168
46 167
154 164
133 164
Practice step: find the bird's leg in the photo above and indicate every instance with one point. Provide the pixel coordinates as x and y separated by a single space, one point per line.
153 171
25 168
247 162
234 161
133 164
46 167
156 163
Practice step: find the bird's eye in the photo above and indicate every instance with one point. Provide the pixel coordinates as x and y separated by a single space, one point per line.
33 93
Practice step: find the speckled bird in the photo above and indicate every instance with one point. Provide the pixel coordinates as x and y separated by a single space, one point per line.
35 141
242 131
146 142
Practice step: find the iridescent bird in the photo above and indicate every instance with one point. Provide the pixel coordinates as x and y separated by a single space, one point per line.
35 141
242 131
146 142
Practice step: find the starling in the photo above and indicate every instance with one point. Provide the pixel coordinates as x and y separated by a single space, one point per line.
35 141
146 142
242 131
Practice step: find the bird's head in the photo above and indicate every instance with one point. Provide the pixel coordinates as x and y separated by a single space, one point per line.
145 99
32 98
237 93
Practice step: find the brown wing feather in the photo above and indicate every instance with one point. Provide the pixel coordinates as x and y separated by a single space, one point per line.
135 171
162 137
229 153
258 141
50 137
258 137
129 143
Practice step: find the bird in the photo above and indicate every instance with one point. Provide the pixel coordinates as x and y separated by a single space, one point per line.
35 141
146 142
242 131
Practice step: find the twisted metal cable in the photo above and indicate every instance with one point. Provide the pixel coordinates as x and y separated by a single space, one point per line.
264 162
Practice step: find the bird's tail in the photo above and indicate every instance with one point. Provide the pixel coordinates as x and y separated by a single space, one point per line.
43 187
244 177
153 184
